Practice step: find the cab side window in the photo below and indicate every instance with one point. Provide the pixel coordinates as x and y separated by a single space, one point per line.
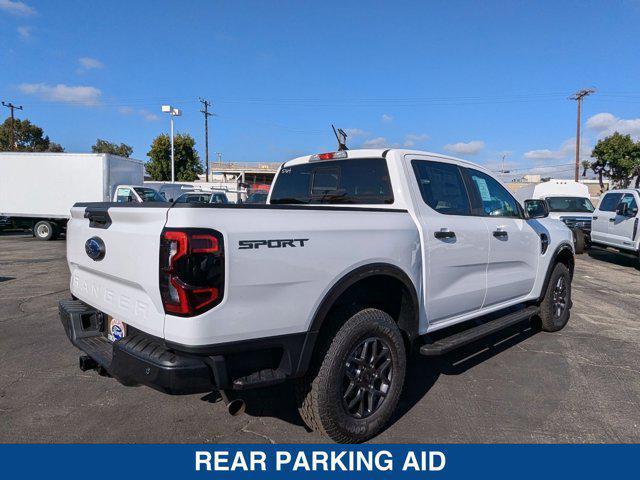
496 200
610 202
442 187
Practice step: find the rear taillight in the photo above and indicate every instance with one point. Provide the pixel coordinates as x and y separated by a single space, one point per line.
191 270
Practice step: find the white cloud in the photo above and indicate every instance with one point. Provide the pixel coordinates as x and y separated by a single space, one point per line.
79 95
465 148
377 142
24 32
17 8
386 118
411 139
607 123
146 114
566 150
356 132
87 64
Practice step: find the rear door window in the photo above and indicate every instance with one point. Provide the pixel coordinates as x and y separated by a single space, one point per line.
352 182
442 187
610 202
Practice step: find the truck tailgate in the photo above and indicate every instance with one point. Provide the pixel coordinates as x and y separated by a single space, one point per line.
124 283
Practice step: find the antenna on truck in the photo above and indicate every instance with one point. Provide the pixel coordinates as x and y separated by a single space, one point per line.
341 136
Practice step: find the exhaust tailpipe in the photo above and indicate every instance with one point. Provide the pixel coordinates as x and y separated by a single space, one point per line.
236 407
87 363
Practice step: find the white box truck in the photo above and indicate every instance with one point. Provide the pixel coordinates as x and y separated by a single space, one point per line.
37 190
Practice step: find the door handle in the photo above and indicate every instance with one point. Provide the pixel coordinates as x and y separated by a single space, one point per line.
594 218
612 219
500 234
444 233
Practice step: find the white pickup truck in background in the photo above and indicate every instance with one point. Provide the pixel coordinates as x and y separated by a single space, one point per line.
615 221
358 257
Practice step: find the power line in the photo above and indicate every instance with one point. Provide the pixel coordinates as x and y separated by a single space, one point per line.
12 134
206 114
578 96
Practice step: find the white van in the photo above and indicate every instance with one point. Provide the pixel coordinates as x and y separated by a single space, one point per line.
568 201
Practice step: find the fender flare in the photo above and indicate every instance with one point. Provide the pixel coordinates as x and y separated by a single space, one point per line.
361 273
564 246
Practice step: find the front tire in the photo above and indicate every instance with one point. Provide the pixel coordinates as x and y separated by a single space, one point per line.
556 303
579 241
354 382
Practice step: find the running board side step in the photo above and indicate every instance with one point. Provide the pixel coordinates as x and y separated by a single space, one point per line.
447 344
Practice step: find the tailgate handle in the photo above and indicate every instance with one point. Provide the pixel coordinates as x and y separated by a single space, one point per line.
98 217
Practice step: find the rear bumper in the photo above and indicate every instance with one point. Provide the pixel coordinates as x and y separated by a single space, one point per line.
137 359
141 359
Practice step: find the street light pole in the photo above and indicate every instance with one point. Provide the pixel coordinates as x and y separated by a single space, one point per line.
173 112
173 162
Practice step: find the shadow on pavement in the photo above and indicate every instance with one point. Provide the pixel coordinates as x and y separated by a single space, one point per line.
620 259
422 373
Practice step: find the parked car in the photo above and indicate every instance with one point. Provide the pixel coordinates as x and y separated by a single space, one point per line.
136 193
203 197
171 191
568 201
615 221
359 257
257 198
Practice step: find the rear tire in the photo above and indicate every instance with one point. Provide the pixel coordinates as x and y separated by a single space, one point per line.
44 230
556 303
355 379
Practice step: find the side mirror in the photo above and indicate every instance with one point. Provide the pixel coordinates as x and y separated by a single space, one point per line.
623 210
536 209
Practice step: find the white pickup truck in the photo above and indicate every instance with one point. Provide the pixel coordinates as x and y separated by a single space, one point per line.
615 221
357 257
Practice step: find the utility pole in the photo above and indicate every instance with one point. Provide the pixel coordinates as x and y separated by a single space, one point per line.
12 137
578 96
206 113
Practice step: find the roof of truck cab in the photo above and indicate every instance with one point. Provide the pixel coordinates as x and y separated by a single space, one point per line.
380 152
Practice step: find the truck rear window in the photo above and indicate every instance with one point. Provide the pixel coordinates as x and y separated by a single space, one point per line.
353 181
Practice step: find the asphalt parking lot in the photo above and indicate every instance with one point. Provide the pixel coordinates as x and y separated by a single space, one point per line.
579 385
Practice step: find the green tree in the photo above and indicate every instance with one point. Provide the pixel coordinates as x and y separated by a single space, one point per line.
187 161
28 137
617 158
103 146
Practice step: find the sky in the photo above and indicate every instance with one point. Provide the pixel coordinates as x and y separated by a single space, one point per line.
477 80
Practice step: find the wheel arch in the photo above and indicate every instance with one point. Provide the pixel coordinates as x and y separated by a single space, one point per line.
562 254
407 319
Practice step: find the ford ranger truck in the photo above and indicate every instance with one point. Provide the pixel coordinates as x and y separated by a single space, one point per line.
357 258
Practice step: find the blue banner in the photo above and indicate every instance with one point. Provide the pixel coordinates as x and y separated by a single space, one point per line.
94 462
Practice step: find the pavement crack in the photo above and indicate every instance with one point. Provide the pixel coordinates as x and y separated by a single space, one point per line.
245 429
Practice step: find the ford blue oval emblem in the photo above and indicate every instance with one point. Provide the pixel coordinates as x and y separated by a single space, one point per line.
95 248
